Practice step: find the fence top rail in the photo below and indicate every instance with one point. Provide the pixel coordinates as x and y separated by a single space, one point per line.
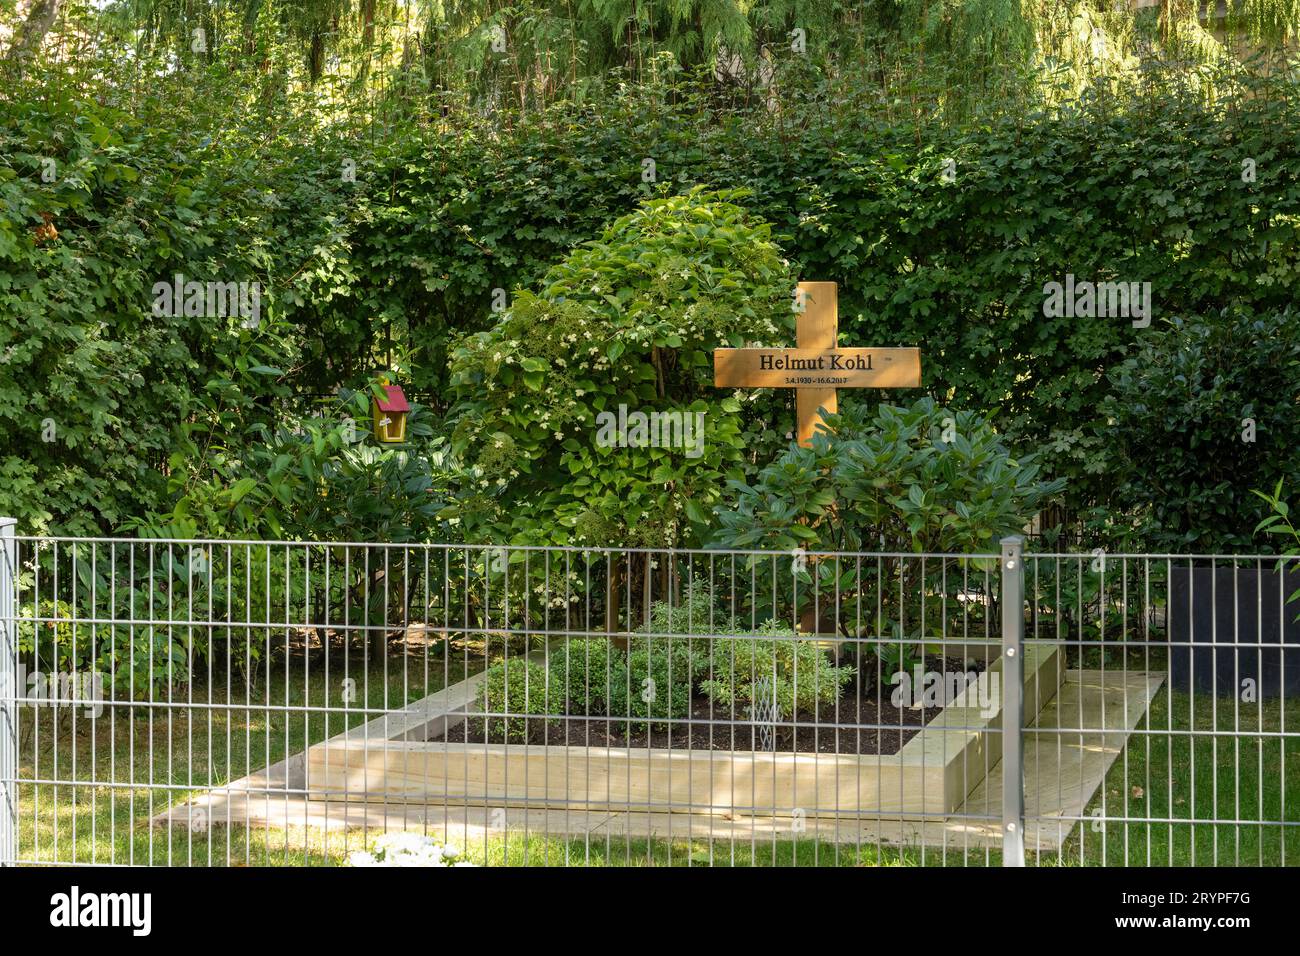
1138 556
440 546
617 550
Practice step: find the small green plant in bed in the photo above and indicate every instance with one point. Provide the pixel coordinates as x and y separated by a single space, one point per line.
587 674
660 673
684 649
649 681
653 680
798 673
518 689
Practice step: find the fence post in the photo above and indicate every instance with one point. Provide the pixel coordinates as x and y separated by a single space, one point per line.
1013 689
8 693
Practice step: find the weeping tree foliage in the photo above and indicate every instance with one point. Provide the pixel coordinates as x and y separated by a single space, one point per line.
978 31
533 51
315 29
560 37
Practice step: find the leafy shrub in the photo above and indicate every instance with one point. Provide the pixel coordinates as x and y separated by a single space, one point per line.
1279 522
95 382
920 478
693 613
130 662
515 686
587 674
1179 411
800 674
650 682
660 672
124 581
654 679
309 478
630 319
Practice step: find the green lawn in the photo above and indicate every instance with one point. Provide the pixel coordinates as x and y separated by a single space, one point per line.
142 763
1160 775
1250 779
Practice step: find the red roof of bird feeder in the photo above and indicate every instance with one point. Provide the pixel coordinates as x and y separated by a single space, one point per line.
396 401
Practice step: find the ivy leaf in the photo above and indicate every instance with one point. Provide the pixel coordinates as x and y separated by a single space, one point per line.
240 488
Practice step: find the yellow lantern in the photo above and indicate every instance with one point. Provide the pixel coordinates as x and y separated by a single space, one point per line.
390 414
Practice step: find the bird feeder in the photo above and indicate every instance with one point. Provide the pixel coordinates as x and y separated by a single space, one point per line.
390 414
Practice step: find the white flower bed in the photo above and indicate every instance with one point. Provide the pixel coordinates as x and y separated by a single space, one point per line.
408 849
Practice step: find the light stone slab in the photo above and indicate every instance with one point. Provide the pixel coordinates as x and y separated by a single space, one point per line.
1075 741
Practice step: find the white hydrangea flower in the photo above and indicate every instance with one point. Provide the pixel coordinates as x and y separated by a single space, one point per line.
408 849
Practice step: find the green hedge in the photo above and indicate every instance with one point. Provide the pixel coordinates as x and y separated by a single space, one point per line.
1139 191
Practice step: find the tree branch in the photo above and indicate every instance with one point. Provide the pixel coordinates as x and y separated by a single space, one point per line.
39 22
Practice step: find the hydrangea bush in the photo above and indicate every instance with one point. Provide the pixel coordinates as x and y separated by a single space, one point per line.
630 319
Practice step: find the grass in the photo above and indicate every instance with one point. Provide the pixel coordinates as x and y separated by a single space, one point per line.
1191 760
1174 775
141 760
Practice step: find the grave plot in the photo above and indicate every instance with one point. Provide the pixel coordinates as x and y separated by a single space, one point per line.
408 769
930 775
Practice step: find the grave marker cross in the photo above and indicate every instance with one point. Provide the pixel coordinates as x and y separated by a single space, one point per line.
818 366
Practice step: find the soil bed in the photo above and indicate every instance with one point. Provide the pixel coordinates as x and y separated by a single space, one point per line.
712 728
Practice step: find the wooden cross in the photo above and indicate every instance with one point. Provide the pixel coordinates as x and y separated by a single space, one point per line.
818 366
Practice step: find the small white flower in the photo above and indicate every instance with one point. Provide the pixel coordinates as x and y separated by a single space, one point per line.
408 849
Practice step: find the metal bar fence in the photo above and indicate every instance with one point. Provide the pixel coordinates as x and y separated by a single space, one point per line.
1013 701
187 702
8 694
1188 681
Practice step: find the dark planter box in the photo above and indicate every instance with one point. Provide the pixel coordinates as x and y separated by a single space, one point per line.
1214 611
